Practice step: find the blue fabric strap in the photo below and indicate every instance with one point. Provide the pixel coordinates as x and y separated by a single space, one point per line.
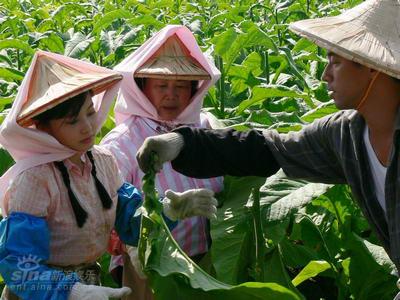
127 221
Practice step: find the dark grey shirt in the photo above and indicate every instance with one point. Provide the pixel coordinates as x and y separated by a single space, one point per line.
330 150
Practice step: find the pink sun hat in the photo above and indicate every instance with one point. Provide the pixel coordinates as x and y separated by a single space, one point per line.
50 80
176 44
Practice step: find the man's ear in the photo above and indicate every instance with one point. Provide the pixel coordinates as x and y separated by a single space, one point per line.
373 72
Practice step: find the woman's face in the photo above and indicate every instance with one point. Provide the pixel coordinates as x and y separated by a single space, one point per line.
76 132
169 97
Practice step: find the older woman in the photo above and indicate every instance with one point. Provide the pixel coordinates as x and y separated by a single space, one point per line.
164 84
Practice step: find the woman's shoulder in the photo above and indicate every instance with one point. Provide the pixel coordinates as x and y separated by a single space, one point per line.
107 165
104 158
123 131
30 191
42 173
101 152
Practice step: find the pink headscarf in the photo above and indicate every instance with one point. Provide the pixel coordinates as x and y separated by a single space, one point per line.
132 101
30 147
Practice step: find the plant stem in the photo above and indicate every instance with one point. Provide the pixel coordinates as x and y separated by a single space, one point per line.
265 61
221 86
258 236
18 61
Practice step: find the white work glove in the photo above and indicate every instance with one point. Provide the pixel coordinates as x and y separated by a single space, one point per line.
167 147
195 202
397 297
81 291
133 253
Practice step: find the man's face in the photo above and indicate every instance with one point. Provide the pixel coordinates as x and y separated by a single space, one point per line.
169 97
347 81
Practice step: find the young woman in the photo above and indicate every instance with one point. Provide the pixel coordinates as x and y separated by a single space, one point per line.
68 195
164 84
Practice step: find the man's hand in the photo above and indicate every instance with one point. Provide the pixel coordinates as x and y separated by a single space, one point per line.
167 147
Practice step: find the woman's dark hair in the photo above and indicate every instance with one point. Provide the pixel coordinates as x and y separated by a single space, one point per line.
68 108
141 82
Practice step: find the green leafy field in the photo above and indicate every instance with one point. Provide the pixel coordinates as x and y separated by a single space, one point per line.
287 240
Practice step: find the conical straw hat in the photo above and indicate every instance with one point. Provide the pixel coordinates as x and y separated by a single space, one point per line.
53 82
172 61
368 34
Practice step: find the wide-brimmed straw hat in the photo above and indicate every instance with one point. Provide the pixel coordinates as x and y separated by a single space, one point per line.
172 61
368 34
53 82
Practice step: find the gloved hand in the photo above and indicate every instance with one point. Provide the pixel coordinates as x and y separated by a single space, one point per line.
167 147
195 202
134 257
81 291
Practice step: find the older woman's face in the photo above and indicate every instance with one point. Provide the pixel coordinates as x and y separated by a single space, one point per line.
169 97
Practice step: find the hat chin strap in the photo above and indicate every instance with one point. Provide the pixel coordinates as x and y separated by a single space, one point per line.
367 91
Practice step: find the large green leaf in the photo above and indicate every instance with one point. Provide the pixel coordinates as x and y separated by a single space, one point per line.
10 74
129 36
109 18
231 233
107 42
6 101
175 286
53 42
312 269
224 41
6 161
16 44
12 23
167 261
229 44
62 12
77 45
264 92
369 270
282 196
275 270
321 111
6 59
164 262
145 20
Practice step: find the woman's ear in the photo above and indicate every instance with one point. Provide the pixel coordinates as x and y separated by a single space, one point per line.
42 126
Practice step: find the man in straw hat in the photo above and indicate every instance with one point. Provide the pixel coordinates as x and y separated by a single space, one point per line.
164 84
357 145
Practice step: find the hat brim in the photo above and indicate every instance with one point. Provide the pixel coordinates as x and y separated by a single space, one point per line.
25 117
172 61
365 34
166 76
